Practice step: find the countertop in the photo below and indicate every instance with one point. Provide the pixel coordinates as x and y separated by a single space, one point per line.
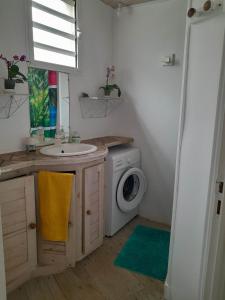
11 162
110 141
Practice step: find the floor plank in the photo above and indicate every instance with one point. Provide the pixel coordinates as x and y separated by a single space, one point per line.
18 294
95 277
114 282
74 288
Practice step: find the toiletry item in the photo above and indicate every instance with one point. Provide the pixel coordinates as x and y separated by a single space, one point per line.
40 135
63 134
75 137
31 144
57 140
60 137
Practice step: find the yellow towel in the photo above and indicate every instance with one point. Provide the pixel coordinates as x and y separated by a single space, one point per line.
55 193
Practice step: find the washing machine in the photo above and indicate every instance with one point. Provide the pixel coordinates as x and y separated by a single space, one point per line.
125 187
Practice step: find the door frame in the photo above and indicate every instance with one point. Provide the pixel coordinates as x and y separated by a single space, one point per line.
211 206
215 270
2 266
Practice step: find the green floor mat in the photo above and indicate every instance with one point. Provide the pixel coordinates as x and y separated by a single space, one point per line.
146 252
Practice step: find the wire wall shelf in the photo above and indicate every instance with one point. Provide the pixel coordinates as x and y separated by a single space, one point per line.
98 107
10 102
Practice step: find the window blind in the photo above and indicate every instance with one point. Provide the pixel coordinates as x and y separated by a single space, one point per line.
55 32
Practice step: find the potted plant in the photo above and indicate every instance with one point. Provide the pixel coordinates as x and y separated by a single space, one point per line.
14 74
108 88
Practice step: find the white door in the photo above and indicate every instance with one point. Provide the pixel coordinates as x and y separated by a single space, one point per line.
215 275
200 133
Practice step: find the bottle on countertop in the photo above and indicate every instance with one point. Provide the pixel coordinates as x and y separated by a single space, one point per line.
74 137
60 136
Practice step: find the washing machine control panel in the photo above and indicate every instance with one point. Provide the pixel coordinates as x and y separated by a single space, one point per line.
124 159
123 164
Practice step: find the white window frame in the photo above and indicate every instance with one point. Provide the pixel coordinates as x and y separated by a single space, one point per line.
29 41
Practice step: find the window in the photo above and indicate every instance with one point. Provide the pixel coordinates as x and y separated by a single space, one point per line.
55 32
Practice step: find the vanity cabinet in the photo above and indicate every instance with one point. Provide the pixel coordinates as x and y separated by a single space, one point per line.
26 254
17 205
93 208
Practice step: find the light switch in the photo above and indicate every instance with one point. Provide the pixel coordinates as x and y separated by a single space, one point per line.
168 60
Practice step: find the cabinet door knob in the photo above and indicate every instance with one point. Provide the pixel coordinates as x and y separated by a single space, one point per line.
207 5
33 226
88 212
191 12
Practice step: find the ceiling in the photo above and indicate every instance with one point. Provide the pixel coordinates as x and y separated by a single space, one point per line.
114 3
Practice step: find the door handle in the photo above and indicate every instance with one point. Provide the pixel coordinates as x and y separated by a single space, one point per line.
191 12
33 226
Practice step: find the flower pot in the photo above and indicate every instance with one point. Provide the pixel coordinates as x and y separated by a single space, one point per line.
10 84
107 93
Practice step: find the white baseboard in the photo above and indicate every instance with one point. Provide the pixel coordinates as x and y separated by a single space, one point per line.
166 291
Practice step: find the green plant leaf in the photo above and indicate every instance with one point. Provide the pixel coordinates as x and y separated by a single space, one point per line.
23 76
117 88
15 69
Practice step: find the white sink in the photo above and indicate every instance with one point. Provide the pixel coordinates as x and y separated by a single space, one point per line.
68 150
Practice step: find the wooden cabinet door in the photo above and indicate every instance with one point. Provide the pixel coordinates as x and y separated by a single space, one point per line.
17 204
60 254
93 208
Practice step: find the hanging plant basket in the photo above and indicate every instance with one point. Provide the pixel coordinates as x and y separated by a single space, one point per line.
98 107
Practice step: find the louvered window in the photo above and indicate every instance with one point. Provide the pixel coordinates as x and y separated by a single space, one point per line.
54 32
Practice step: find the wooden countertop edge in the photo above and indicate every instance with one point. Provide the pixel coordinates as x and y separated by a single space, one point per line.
103 144
115 141
50 161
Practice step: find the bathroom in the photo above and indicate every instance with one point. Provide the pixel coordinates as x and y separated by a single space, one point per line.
147 42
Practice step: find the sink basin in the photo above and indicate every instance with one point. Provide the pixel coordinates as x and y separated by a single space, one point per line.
68 150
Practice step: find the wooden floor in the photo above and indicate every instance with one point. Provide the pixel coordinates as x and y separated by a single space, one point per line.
95 277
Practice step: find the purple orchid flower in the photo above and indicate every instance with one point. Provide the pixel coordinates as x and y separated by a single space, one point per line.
23 57
13 67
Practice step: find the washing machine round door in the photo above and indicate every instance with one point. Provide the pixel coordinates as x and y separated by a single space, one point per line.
131 189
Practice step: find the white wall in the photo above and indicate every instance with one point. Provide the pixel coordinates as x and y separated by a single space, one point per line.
95 55
142 35
12 41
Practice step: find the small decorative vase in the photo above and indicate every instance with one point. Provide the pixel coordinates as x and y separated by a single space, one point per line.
10 84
